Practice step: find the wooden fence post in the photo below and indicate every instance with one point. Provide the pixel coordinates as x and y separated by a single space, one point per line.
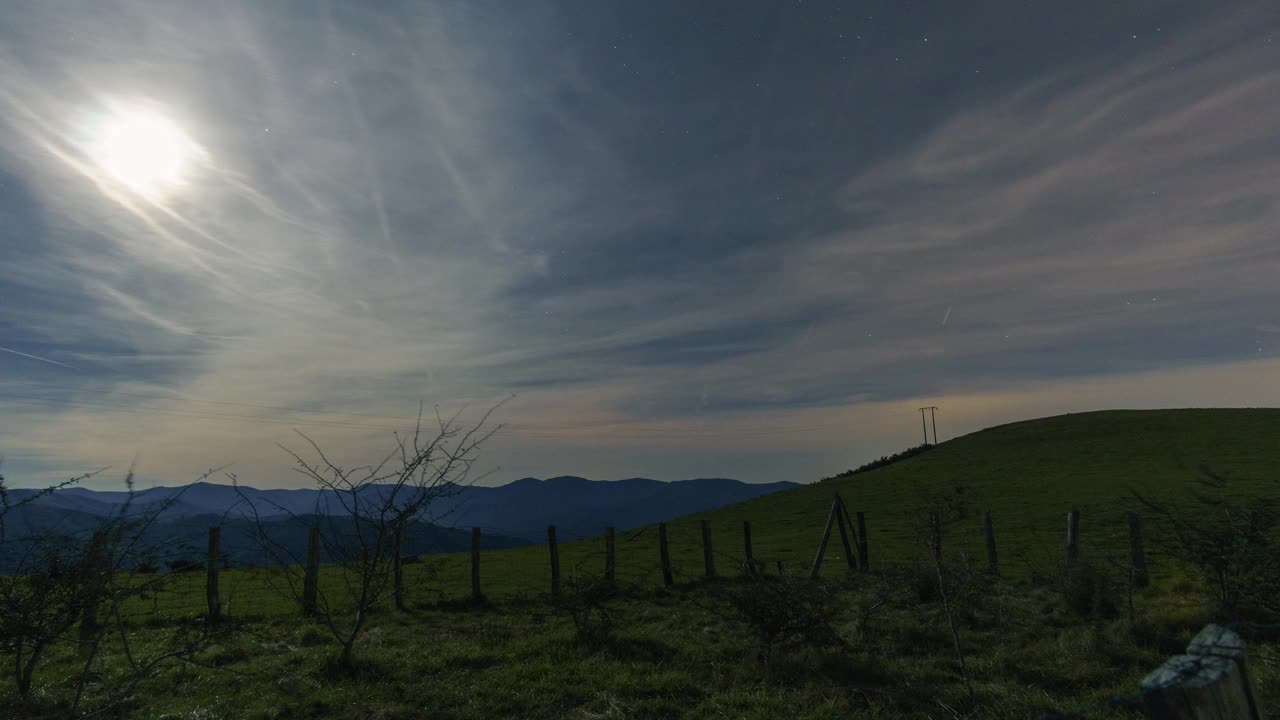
862 541
853 533
96 565
475 565
849 559
1073 537
1141 578
664 556
988 528
1218 641
397 569
212 597
311 578
935 535
826 535
555 560
609 558
746 547
1210 682
708 560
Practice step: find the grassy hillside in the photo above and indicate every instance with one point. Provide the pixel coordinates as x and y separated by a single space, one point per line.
1027 474
682 653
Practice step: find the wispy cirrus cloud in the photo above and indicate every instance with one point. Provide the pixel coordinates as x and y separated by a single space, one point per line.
722 258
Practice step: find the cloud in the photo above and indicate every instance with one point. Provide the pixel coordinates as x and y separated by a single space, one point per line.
451 203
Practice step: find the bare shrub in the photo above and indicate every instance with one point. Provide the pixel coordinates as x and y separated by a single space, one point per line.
374 503
781 610
1223 538
1091 591
70 588
585 600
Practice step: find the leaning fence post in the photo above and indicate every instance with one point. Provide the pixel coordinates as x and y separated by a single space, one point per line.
475 565
826 535
1210 682
311 578
853 534
397 569
555 560
988 529
211 575
609 560
849 559
708 561
862 541
1141 578
1073 537
747 552
664 556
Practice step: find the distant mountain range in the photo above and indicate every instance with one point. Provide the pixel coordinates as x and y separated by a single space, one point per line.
514 514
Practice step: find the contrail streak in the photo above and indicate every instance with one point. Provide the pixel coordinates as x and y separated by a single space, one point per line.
35 357
947 316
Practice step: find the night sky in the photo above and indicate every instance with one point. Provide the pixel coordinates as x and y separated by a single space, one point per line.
734 239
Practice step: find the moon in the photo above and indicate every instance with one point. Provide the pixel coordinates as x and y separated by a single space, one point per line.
143 149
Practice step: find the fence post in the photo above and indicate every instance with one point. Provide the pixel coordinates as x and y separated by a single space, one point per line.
708 561
862 541
397 569
609 559
311 578
849 559
664 556
96 564
1073 537
1210 682
935 534
555 560
1141 578
746 547
211 575
475 565
1218 641
988 529
826 535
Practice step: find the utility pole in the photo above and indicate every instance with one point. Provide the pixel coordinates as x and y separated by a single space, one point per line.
925 426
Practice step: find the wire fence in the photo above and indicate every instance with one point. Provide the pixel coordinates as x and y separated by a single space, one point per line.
243 571
248 572
188 577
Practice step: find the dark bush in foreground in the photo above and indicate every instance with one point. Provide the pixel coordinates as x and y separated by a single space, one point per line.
779 610
1090 592
585 601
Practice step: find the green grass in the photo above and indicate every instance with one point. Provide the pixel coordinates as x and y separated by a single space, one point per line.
1027 474
674 655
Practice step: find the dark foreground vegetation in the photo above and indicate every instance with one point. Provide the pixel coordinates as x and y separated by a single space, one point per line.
879 646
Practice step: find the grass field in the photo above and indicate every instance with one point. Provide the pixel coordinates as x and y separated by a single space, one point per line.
1027 474
673 653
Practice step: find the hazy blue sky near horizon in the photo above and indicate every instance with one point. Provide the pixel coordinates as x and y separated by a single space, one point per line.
735 239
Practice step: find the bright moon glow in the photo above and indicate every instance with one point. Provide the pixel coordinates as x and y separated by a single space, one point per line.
143 149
